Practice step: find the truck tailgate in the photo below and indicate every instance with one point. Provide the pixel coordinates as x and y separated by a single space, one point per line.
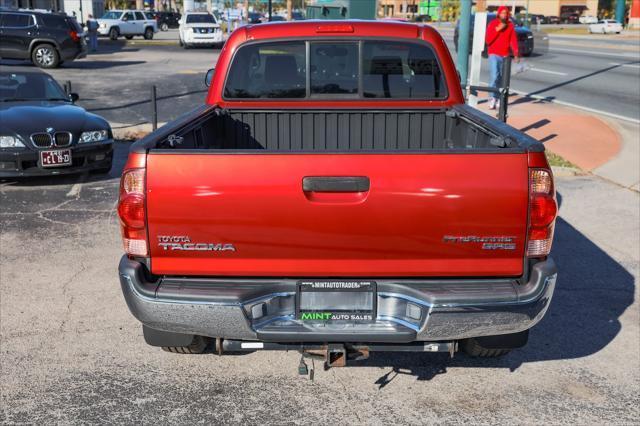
423 215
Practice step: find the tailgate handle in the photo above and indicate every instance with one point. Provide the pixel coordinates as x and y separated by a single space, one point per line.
335 184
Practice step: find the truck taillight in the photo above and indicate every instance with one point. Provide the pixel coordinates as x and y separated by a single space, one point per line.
131 209
542 212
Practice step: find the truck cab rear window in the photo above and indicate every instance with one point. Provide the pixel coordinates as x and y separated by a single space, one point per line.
393 69
337 69
268 70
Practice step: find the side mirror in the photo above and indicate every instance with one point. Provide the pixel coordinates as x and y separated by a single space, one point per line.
124 18
74 97
209 77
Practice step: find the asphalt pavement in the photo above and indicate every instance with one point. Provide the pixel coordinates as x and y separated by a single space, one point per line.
72 352
601 72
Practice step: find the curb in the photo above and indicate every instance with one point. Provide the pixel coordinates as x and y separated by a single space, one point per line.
562 171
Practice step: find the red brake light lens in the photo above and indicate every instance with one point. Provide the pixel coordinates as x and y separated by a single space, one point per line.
339 28
131 209
74 35
542 213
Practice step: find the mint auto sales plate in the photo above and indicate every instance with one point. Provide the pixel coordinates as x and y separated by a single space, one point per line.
336 300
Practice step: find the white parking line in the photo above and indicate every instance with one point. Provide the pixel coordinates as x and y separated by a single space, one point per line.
547 71
589 52
624 65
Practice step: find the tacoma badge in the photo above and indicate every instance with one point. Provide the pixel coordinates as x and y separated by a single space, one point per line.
183 242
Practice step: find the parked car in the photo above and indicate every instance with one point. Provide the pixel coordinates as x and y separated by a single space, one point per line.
570 18
47 39
589 19
44 133
165 20
422 18
524 35
335 194
199 29
127 23
606 26
255 18
553 20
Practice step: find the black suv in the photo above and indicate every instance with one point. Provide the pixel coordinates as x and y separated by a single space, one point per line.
48 39
166 20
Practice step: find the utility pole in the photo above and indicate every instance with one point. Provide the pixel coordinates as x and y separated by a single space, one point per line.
620 9
463 41
526 16
270 9
289 7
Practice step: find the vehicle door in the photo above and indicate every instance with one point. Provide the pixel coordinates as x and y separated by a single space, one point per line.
141 22
17 31
127 25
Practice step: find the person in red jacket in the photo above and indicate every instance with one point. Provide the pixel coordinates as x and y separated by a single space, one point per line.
501 37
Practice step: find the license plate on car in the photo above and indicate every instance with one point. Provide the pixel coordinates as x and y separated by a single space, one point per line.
336 300
58 158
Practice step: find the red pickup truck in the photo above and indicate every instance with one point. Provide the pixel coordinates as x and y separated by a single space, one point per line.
336 196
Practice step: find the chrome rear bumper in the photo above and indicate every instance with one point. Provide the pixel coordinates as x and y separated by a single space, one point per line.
408 309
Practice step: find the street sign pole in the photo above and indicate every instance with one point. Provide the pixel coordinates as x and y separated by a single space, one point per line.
479 30
463 41
620 11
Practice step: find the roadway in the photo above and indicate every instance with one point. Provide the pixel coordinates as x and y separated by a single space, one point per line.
596 72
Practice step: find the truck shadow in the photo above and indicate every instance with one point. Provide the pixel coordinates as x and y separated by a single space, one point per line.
592 292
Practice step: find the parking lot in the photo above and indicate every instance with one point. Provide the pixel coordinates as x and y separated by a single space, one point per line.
72 352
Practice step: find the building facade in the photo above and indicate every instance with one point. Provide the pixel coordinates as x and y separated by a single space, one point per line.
548 7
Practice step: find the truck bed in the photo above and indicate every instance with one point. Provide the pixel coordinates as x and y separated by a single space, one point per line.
338 193
458 129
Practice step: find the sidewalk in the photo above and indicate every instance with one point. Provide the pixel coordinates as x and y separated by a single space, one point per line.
602 146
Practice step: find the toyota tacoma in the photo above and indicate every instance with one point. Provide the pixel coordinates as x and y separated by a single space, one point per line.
335 195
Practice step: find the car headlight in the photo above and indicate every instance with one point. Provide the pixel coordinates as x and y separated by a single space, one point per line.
192 30
10 142
93 136
103 25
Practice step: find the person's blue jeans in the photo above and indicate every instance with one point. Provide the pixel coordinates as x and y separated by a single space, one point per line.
93 41
495 73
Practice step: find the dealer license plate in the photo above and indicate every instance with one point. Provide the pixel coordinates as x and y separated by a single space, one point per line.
335 300
58 158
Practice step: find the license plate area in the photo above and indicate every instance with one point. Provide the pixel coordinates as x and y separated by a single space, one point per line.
336 300
57 158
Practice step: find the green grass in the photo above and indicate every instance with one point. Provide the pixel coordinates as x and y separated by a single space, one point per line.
557 161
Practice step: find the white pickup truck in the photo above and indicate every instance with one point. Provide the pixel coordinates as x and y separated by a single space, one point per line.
127 23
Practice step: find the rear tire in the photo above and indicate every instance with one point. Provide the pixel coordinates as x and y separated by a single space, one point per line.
494 346
45 56
148 33
164 27
197 346
472 348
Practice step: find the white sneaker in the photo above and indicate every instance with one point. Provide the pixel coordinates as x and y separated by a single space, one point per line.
492 103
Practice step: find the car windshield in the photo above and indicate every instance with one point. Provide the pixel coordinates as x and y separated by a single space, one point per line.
29 86
112 15
200 19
